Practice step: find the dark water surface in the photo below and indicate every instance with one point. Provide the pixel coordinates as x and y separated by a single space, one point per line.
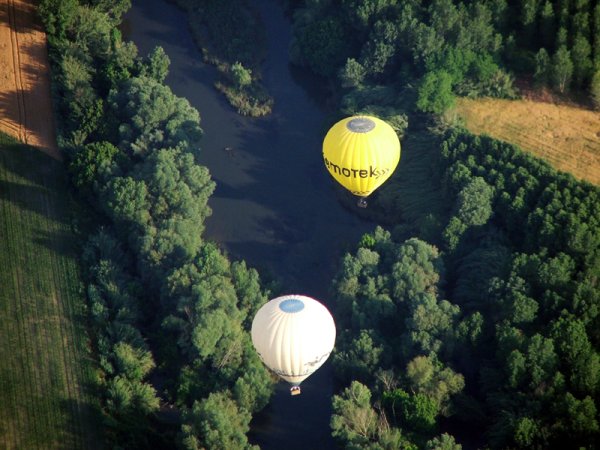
274 205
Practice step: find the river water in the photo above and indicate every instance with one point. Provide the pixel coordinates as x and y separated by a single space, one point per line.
274 205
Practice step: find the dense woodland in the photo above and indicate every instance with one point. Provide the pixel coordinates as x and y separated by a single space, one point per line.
473 318
169 312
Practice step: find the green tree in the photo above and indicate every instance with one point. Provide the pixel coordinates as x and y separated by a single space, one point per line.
443 442
581 55
92 165
156 65
152 117
57 16
580 419
418 269
352 74
242 77
378 52
435 92
91 31
542 67
474 203
427 376
114 8
529 11
354 421
547 25
595 89
126 201
431 324
215 423
322 45
418 412
253 389
596 36
360 358
134 363
562 68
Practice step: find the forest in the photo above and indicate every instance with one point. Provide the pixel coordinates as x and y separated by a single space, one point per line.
474 319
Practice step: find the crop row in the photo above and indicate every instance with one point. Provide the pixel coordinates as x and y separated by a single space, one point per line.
45 364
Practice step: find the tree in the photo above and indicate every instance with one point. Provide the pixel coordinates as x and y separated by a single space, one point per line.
595 89
92 165
562 68
242 77
528 17
253 389
435 92
126 201
354 422
133 362
581 54
428 376
322 45
542 67
352 74
474 202
156 65
359 358
114 8
152 117
443 442
91 31
417 411
379 51
418 269
431 323
57 15
547 25
580 419
596 36
216 423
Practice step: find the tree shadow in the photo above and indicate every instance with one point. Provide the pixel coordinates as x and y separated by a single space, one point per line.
21 16
86 419
33 181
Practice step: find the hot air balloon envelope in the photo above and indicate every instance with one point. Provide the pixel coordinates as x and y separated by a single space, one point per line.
361 153
293 336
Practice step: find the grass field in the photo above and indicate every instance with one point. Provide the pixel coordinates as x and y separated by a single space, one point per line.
565 136
45 366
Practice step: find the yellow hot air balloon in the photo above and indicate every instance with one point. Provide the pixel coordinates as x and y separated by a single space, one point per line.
293 336
361 153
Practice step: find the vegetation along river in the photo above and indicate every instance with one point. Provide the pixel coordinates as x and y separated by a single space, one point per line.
274 205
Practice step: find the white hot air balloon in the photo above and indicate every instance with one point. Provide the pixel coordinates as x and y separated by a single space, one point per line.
293 336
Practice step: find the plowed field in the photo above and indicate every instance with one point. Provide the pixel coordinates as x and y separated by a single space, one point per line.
25 103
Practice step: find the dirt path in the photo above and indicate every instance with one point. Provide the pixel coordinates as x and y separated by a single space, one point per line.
25 102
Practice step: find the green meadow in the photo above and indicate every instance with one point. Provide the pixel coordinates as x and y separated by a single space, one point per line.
46 370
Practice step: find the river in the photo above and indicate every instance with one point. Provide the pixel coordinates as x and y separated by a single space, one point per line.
274 205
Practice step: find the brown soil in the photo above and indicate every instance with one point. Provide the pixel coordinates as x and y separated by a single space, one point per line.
25 101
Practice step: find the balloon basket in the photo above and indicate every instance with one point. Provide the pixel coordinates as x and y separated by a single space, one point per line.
295 390
362 202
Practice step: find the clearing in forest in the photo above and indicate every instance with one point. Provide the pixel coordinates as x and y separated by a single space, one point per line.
565 136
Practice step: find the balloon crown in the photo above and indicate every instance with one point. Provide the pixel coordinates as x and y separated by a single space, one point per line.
291 305
360 125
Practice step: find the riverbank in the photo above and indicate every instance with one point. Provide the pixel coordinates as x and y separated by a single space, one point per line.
230 37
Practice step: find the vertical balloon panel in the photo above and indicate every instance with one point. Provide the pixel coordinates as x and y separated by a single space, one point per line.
294 335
